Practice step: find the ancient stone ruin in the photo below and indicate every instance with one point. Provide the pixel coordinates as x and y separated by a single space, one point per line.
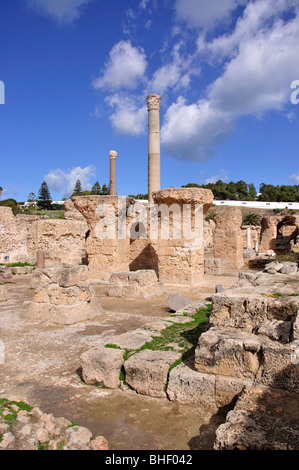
236 348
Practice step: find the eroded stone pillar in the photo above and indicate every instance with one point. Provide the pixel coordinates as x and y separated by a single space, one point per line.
228 238
179 243
153 104
112 155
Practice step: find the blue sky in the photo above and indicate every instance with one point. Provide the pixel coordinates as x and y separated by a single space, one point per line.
77 73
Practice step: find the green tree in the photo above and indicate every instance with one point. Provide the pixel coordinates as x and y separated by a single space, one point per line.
105 190
44 196
251 192
96 189
32 197
251 218
77 189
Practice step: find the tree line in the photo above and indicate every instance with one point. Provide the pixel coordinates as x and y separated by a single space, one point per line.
44 199
241 191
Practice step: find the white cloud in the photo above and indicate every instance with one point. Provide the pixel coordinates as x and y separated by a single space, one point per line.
61 181
258 76
222 175
205 14
125 68
191 131
175 74
62 11
260 60
295 177
127 117
143 4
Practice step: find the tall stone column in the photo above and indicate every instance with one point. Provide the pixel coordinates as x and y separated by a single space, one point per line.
112 155
153 104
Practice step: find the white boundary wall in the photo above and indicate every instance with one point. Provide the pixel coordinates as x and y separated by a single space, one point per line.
259 204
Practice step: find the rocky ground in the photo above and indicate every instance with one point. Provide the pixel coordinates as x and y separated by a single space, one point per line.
25 428
42 368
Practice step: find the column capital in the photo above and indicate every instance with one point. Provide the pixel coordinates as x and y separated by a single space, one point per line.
112 154
153 101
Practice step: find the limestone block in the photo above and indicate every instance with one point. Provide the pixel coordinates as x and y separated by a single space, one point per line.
278 369
136 284
64 276
177 302
228 388
189 387
248 309
228 352
185 196
60 314
102 365
277 330
56 295
214 266
147 371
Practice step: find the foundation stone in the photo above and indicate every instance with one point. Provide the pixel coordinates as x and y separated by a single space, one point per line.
62 295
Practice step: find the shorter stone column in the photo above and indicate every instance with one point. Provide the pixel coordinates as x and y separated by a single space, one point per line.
112 155
40 259
228 238
180 250
248 238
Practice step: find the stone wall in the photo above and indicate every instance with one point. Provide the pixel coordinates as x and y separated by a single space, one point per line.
141 242
64 237
22 236
13 235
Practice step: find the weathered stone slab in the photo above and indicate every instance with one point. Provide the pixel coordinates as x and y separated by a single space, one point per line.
177 302
131 339
60 314
142 284
277 330
147 371
102 365
65 276
228 352
189 387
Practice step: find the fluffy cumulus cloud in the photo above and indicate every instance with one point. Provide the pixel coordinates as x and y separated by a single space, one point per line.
125 68
62 11
64 181
174 74
191 131
257 62
127 116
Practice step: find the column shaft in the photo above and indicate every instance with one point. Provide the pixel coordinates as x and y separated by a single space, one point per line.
153 103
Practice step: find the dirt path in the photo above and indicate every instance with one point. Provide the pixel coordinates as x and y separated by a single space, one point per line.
42 367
